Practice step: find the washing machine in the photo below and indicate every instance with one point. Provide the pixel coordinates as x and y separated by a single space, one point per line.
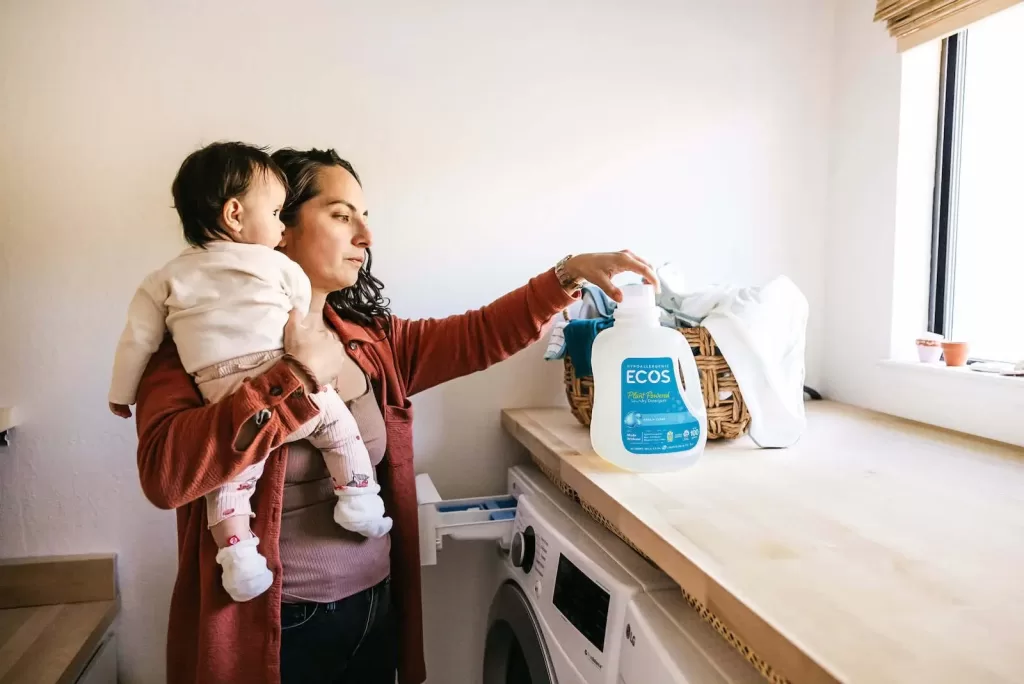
665 640
575 605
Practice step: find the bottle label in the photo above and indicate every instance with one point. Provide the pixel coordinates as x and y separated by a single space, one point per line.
655 419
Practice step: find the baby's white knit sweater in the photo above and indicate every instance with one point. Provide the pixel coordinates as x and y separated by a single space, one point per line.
220 302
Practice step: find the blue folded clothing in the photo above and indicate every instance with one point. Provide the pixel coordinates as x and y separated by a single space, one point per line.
579 342
595 303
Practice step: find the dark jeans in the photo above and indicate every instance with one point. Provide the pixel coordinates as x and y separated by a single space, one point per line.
351 641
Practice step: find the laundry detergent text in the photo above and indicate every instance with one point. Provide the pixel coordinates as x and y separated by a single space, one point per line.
655 420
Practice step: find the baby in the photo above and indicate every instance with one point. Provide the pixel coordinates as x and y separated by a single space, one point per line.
225 301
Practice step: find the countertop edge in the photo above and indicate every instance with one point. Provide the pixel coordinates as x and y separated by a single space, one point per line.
81 659
766 639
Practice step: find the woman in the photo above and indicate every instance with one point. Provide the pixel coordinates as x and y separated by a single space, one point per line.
329 616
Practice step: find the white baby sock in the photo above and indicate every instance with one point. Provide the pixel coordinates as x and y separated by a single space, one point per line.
246 575
361 510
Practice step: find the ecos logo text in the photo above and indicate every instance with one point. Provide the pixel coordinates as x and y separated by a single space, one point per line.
644 377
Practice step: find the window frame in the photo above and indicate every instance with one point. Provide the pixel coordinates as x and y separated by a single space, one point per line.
947 183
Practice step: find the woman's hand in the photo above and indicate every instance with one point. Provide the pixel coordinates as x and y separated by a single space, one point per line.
316 351
599 269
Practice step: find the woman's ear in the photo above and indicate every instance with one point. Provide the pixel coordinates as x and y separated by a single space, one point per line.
231 216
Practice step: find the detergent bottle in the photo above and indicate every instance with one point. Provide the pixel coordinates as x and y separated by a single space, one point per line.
644 418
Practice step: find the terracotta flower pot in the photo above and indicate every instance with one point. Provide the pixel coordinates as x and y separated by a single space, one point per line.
955 353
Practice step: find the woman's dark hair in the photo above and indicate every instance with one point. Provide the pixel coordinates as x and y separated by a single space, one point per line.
208 178
363 303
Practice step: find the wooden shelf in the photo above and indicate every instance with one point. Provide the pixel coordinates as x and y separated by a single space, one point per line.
51 644
55 611
876 550
50 580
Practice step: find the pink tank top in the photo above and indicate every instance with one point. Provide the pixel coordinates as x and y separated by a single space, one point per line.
323 562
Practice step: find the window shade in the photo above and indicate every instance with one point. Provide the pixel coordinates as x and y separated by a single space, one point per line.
914 22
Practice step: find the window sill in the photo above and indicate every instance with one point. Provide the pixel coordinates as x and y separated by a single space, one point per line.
963 373
960 399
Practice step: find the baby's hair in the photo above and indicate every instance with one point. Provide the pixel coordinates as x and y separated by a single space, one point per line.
211 176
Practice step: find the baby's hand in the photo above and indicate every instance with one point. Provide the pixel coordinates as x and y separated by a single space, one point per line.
120 410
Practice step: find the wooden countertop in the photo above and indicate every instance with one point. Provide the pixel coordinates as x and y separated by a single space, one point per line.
54 613
876 550
43 644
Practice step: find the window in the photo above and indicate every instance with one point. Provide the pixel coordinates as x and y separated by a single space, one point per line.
977 284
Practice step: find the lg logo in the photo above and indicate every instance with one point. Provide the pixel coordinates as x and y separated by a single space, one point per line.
644 377
630 637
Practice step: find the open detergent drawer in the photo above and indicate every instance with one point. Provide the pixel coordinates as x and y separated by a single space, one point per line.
487 518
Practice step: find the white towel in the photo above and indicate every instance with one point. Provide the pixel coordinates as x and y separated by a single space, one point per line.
687 309
761 332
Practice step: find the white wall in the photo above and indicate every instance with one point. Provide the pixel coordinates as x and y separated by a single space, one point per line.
492 139
860 238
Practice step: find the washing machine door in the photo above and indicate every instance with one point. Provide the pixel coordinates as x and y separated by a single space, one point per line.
515 651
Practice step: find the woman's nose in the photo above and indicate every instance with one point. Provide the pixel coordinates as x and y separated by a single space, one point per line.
363 236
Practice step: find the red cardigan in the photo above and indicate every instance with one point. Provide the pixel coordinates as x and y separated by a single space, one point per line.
186 449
